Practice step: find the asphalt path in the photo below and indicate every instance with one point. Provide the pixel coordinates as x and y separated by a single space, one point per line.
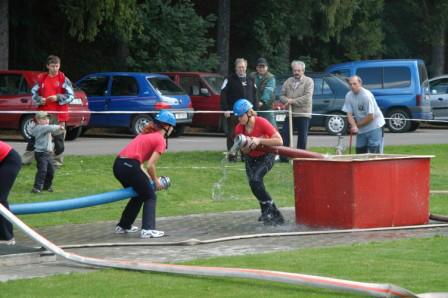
110 142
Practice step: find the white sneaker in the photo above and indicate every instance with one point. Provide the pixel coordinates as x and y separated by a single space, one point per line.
8 242
145 234
120 230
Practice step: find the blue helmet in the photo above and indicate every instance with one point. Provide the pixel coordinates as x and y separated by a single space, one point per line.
166 117
241 107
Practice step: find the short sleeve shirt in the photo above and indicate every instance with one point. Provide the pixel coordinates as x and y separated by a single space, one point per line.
262 128
4 150
362 104
143 146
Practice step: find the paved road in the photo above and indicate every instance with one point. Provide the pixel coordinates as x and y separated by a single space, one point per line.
111 143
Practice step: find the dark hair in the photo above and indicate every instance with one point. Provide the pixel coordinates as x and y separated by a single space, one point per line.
53 59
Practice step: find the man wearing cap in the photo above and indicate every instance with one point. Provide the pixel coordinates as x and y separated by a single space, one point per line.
237 85
43 134
265 96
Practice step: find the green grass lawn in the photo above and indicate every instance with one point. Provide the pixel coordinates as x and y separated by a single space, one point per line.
419 265
406 263
193 176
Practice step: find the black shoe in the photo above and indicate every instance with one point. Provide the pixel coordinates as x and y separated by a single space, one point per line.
273 216
35 190
49 189
232 158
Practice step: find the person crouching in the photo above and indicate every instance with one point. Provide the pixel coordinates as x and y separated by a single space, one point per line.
129 170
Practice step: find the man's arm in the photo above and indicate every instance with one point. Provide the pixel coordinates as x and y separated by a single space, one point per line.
39 100
307 94
69 94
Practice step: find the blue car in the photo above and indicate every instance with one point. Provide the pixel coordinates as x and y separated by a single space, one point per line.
131 99
400 87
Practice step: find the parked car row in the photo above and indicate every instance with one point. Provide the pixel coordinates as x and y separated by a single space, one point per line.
131 99
15 96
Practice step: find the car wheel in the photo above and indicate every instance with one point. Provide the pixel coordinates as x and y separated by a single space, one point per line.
336 124
26 125
73 133
139 123
178 131
398 121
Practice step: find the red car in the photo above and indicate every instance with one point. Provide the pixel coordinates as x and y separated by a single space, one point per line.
204 90
15 98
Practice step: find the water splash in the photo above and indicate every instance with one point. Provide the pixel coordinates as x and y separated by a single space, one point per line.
219 190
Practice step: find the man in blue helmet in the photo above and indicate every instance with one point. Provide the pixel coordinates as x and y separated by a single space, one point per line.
258 163
129 170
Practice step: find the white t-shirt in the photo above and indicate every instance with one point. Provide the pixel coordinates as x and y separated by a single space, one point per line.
362 104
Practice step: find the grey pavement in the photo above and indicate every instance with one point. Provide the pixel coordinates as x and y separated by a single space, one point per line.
27 260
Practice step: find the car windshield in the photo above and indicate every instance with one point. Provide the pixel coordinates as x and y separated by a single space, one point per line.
165 86
215 82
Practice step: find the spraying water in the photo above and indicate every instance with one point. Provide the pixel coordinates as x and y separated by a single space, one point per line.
219 188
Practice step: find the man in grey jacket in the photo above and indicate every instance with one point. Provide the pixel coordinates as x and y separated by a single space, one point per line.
43 148
297 92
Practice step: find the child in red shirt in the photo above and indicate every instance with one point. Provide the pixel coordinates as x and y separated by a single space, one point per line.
129 170
258 163
52 92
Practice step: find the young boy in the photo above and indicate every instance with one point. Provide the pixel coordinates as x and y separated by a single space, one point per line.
53 91
43 134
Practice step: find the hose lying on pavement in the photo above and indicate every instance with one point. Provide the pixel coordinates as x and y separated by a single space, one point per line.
191 242
372 289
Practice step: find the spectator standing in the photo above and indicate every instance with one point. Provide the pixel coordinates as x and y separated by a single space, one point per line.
365 118
237 85
297 92
52 92
10 164
43 134
265 87
258 163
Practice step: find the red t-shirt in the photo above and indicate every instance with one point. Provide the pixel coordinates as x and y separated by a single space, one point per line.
4 150
143 146
262 128
52 86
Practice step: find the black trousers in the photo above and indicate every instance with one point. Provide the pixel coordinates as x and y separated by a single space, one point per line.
256 169
129 173
9 169
45 170
231 122
301 124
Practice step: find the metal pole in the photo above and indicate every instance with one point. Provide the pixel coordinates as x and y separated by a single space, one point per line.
291 130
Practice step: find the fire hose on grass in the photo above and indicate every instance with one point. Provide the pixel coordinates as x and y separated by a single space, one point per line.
372 289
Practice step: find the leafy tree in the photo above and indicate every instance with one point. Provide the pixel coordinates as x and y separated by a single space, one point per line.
174 37
4 34
87 17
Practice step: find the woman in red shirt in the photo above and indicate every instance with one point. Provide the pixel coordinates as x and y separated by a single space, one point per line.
258 163
10 164
129 170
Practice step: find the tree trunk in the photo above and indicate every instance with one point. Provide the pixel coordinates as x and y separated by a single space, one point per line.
4 34
222 43
438 53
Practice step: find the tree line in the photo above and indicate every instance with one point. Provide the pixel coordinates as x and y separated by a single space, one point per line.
207 35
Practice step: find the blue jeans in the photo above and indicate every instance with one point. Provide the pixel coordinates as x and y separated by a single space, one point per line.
371 141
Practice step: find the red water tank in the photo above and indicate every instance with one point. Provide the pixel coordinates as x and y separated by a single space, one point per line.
362 191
